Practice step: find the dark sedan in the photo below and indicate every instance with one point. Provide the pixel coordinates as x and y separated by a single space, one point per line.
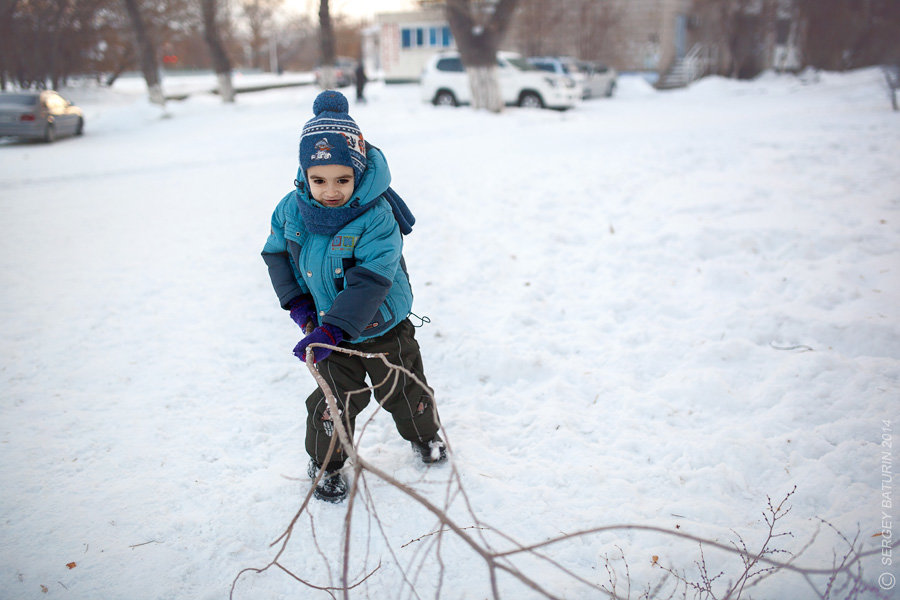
39 115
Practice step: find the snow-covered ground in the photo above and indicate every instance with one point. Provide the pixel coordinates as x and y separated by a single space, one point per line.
655 309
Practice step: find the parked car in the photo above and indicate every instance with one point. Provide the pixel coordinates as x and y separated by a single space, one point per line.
599 79
596 79
445 82
344 72
39 115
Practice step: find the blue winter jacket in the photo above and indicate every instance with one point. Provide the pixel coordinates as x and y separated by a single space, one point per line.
356 276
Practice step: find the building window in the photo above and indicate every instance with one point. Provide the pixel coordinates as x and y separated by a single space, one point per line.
412 37
431 37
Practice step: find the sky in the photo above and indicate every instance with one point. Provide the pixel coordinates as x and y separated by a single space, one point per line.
355 8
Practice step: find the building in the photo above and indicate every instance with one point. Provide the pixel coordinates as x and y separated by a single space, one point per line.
403 42
674 41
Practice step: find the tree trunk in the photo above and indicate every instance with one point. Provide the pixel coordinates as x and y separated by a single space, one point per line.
57 28
485 88
6 42
892 79
478 37
326 44
125 61
221 63
146 52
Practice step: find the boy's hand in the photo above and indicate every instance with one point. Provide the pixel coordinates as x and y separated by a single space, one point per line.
326 334
303 311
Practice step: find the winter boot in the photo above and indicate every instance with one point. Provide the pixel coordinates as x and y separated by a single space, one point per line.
431 452
332 487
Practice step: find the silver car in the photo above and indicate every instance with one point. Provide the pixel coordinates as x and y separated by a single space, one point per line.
599 79
344 72
39 115
596 79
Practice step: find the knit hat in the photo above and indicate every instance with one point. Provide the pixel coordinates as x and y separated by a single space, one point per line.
332 137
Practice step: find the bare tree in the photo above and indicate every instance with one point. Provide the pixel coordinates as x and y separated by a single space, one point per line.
738 28
115 37
146 52
892 81
259 15
7 12
44 42
833 34
479 29
39 30
56 25
585 29
848 34
326 46
298 45
221 63
592 26
537 26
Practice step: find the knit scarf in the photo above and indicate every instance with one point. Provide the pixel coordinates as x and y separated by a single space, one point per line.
328 221
402 214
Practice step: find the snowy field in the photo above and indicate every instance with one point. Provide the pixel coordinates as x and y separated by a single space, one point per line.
657 309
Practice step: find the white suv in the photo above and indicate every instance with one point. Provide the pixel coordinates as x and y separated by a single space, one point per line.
445 82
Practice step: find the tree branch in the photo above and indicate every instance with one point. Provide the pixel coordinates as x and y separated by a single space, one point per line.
848 567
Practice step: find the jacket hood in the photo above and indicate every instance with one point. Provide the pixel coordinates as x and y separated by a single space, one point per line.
319 219
375 181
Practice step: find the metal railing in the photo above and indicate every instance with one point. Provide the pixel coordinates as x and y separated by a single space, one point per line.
692 66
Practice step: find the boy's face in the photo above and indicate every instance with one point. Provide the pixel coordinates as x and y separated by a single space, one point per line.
330 185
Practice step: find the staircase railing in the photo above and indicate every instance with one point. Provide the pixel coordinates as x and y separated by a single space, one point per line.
698 62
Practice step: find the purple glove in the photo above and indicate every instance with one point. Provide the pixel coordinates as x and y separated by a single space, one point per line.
325 334
303 311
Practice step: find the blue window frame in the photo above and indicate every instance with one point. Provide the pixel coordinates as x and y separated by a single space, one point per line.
419 37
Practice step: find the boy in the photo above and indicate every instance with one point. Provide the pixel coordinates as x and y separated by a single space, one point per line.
335 260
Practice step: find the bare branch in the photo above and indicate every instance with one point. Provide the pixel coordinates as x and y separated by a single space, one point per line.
845 574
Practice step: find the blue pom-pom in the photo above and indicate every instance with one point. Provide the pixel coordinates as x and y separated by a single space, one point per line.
330 101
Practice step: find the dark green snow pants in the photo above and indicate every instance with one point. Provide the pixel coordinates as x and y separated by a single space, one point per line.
411 406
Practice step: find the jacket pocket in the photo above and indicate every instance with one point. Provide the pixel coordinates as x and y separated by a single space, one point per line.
341 258
384 319
339 268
